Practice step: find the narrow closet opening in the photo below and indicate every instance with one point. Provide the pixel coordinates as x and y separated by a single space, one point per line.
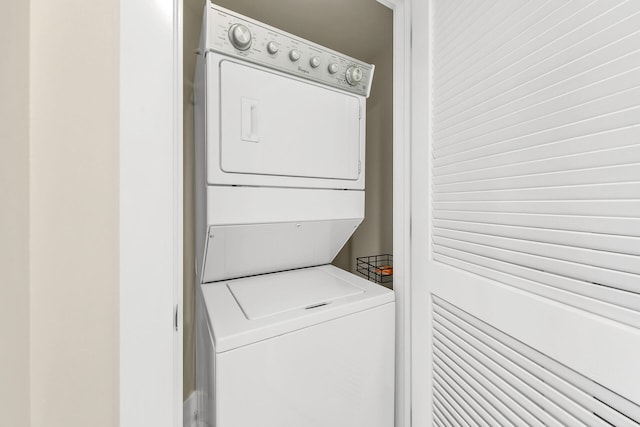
362 29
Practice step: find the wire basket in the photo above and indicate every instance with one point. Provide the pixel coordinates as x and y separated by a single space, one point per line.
377 268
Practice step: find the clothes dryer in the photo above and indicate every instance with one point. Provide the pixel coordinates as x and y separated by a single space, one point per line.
280 148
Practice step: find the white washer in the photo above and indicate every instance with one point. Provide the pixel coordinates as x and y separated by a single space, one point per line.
310 347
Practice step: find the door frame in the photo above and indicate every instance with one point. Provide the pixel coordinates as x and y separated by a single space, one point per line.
150 213
420 212
151 210
402 188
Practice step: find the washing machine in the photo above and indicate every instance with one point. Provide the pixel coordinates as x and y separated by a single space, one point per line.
310 347
283 337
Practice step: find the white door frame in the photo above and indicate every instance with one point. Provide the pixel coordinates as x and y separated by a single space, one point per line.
151 210
402 202
420 210
150 226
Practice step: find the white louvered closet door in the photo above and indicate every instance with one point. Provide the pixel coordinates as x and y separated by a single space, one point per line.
527 286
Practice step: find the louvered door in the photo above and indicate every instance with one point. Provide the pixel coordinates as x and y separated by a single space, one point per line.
527 311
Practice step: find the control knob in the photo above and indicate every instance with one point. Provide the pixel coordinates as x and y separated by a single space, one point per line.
333 68
314 62
272 48
240 36
294 55
353 75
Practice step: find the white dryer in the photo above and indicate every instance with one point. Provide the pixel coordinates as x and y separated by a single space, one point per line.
270 127
283 338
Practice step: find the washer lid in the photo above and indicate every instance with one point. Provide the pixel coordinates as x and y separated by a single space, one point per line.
240 312
271 294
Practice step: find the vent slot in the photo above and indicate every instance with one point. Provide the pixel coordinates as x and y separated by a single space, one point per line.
484 377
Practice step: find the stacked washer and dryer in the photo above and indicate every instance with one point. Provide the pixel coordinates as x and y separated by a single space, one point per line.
283 338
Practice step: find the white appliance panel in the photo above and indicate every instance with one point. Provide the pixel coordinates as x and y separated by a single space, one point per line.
338 373
331 67
271 294
244 250
263 129
235 206
228 205
275 125
230 327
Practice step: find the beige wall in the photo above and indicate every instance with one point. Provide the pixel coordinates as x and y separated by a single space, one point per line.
74 213
14 214
375 234
71 299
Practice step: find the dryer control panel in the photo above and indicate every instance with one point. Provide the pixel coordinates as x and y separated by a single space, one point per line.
238 36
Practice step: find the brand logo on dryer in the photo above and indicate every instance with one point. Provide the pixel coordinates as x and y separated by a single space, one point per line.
303 70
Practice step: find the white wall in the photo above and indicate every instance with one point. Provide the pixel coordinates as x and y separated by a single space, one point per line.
74 213
14 214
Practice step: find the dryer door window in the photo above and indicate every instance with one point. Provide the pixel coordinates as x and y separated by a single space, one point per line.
271 124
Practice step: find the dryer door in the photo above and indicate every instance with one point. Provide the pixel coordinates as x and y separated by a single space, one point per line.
277 130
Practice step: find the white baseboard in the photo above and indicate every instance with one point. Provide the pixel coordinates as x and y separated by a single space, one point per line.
190 411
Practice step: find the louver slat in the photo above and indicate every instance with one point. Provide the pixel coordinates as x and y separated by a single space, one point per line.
512 381
495 385
617 262
607 98
615 191
536 147
450 411
448 388
561 288
535 184
589 224
489 403
441 394
524 21
599 24
595 159
592 69
602 242
587 273
600 175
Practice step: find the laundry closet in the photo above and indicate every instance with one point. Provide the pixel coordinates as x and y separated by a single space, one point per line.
363 30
